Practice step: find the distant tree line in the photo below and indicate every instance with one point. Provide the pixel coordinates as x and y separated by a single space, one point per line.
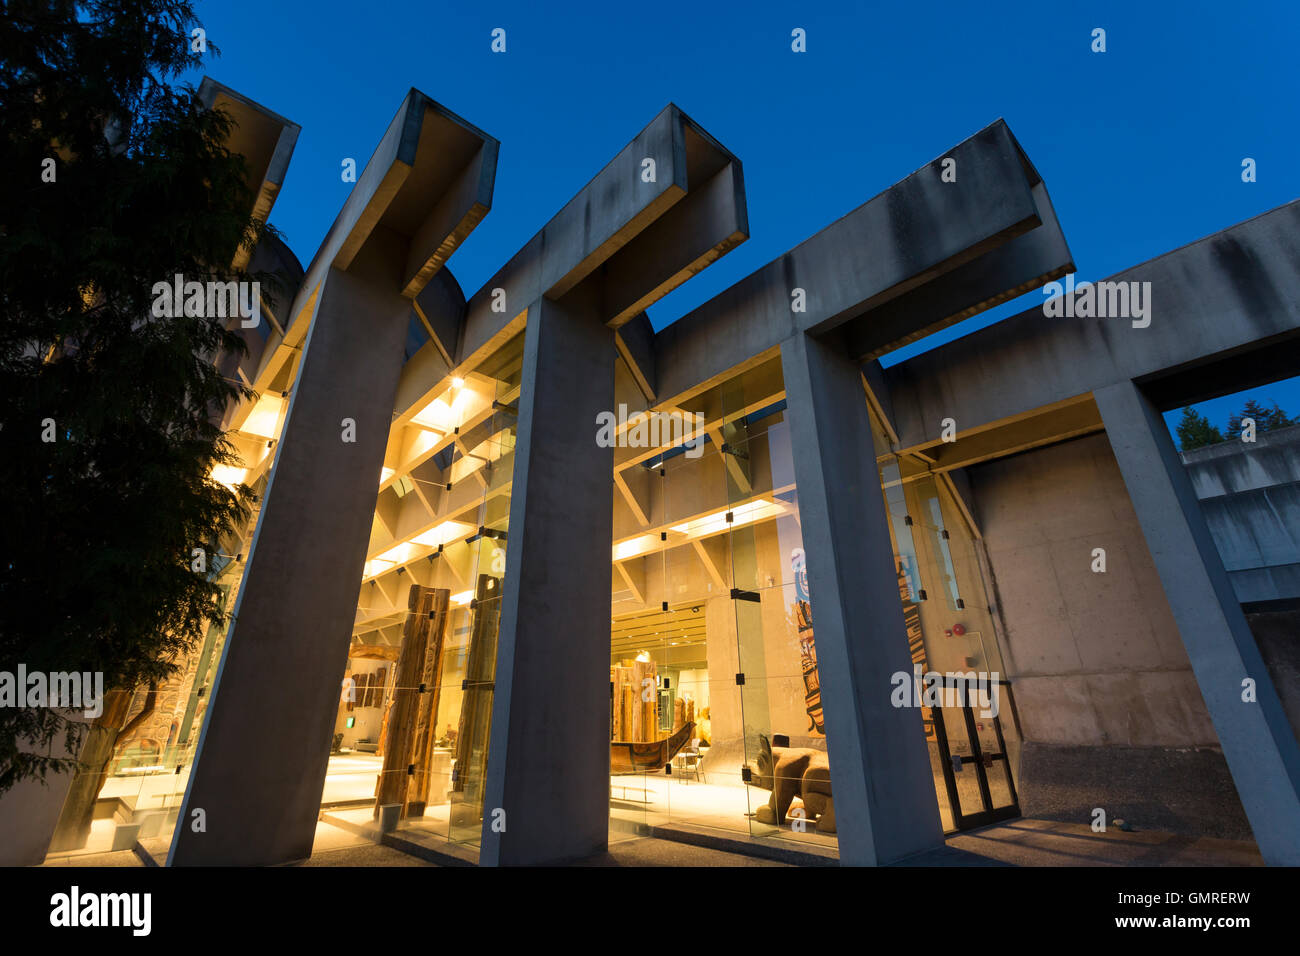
1195 430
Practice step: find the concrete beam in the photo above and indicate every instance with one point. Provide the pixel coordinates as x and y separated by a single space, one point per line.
885 803
631 239
431 171
266 141
1233 297
918 233
1045 426
1257 740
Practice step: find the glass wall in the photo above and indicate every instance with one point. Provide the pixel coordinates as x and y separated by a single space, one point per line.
949 623
411 739
716 718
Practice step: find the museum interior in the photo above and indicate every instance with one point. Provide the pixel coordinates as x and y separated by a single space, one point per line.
715 717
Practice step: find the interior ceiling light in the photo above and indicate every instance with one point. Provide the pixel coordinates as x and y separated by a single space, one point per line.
376 566
462 598
444 533
633 547
716 522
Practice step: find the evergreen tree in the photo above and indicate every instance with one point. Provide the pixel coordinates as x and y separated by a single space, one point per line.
1195 430
116 178
1266 419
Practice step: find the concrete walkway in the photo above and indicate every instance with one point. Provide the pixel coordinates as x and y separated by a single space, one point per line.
1024 842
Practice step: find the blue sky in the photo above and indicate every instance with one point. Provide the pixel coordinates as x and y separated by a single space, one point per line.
1140 146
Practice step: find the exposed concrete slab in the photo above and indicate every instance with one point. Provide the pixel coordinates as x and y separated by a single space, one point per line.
885 803
1256 737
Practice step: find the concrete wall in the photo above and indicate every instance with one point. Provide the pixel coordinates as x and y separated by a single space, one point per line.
1109 707
1250 496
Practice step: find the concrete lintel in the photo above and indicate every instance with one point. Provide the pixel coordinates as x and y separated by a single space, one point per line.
907 236
1233 296
1044 426
1257 740
611 233
1018 266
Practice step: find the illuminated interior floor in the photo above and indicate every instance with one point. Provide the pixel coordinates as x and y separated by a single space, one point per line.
659 800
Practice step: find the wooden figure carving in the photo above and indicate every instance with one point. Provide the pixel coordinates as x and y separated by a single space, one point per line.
791 772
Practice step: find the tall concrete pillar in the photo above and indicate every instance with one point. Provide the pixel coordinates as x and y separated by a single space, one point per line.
1257 740
548 765
260 765
885 803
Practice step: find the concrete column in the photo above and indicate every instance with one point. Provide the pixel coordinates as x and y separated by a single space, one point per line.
548 762
885 803
1257 740
260 766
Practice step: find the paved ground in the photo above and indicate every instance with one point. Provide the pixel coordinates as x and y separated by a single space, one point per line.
1017 843
1029 842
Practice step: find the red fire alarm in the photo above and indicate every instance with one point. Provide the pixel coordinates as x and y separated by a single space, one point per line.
959 629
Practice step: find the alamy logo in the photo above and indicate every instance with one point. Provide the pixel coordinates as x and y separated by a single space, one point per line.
651 430
74 908
955 689
1099 300
208 300
73 691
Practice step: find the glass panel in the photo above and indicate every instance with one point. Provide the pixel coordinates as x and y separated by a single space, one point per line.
995 767
784 728
965 773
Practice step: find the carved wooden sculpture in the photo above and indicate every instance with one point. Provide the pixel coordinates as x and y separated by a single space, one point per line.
791 772
422 637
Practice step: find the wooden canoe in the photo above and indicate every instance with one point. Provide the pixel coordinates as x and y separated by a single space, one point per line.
628 757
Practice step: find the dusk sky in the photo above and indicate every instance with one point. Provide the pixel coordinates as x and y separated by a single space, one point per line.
1141 146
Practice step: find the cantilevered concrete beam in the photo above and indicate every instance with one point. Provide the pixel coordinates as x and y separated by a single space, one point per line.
917 257
1223 299
265 140
261 760
617 246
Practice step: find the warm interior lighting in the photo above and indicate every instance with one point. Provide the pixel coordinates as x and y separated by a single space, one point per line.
741 515
229 475
634 546
376 566
462 598
399 554
444 533
457 382
385 474
264 420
